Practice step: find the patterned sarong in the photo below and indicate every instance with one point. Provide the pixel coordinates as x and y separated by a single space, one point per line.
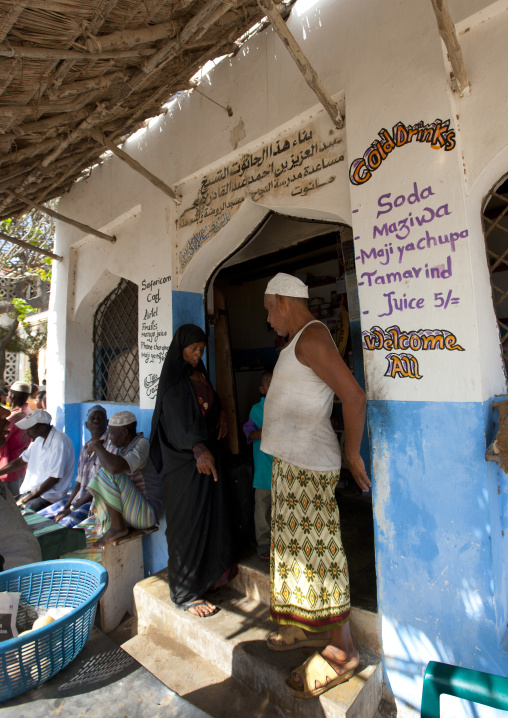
308 566
71 520
119 492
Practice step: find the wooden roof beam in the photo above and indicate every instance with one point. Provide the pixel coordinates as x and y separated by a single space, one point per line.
449 37
310 75
125 39
31 247
56 215
135 165
48 53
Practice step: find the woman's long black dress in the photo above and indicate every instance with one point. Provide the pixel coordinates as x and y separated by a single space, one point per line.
198 525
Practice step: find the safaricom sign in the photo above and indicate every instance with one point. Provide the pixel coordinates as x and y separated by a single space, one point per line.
438 134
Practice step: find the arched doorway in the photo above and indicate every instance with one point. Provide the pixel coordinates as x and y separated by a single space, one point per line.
321 253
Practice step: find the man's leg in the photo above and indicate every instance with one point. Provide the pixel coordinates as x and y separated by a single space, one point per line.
118 503
117 529
308 503
262 520
37 504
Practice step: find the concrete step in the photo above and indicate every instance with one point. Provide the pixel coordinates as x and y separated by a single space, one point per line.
234 641
195 679
253 580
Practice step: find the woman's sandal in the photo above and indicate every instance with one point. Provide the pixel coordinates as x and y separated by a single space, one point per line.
195 604
291 637
315 669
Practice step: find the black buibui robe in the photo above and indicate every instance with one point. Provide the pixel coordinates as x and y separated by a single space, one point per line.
198 523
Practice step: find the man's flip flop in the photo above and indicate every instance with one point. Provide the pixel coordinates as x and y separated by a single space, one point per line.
291 637
195 604
315 669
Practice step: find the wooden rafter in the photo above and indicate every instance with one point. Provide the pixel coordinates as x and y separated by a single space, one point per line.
56 215
135 165
310 75
125 39
450 39
31 247
44 53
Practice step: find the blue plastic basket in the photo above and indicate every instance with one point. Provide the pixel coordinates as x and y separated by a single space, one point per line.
28 661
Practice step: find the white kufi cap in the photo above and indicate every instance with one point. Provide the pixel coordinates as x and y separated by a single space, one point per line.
122 418
285 285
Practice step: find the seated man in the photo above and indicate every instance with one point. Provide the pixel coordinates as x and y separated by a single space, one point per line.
50 459
16 440
71 511
127 490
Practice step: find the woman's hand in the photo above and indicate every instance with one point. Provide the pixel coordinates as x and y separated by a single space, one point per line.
206 464
223 425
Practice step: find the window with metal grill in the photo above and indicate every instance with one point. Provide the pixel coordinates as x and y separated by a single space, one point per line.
115 344
495 227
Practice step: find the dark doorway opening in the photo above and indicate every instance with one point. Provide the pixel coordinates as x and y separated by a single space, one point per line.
245 345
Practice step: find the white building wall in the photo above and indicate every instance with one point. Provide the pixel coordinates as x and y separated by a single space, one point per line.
438 510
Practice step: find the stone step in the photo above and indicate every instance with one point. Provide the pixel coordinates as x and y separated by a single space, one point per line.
253 580
234 641
195 679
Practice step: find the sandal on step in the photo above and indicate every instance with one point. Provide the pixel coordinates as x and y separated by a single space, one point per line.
291 637
315 669
195 604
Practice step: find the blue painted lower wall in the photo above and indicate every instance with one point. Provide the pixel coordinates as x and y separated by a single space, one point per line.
441 555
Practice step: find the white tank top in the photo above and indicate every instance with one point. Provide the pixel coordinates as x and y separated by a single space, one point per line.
296 422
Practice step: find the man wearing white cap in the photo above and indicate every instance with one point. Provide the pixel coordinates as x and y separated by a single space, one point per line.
50 459
126 490
75 508
16 440
310 585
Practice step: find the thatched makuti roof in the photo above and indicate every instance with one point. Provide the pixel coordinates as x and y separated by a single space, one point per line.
71 67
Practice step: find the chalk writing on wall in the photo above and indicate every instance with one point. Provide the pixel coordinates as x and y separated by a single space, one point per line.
295 165
154 340
394 338
437 134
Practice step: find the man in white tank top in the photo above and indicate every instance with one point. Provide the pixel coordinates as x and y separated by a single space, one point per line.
308 567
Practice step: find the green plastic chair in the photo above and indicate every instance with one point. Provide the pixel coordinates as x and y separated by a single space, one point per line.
462 683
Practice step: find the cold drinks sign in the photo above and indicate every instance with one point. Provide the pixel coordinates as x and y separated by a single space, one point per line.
408 243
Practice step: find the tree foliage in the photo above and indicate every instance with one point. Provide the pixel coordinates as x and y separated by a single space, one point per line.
35 228
24 279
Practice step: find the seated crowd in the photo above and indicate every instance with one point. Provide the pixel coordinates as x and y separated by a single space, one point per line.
116 482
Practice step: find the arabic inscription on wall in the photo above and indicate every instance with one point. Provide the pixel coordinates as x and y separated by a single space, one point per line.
294 166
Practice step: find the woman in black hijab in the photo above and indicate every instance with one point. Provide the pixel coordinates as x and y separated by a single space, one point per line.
187 425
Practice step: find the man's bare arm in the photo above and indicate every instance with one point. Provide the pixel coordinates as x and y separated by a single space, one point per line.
45 486
113 463
14 465
316 349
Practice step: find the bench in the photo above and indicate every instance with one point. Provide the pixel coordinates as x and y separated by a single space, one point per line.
123 560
